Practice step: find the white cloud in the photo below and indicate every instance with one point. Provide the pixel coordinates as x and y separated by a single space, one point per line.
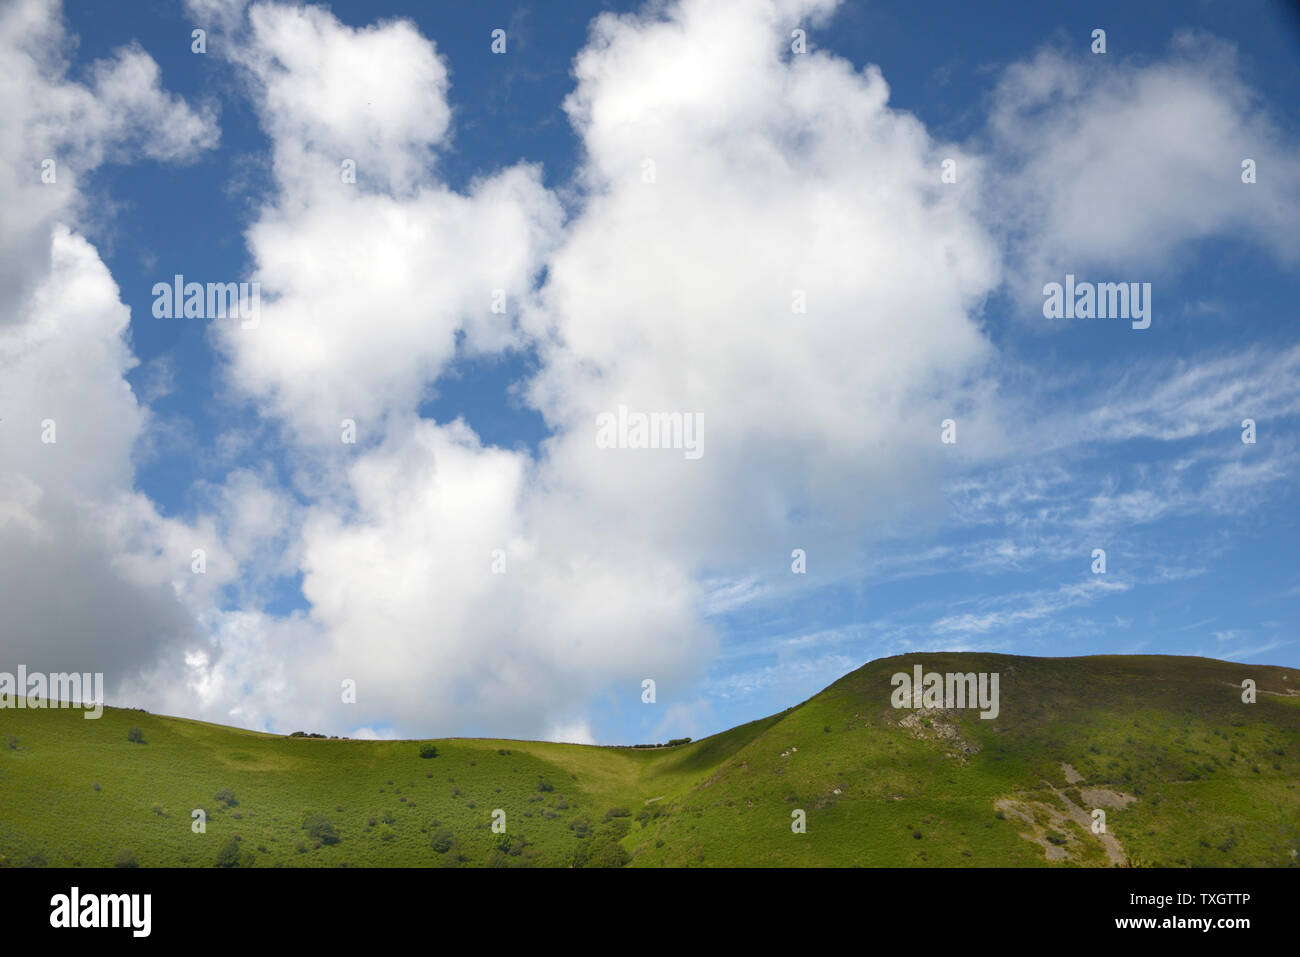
91 578
1011 611
573 732
121 114
1116 167
800 177
772 175
367 285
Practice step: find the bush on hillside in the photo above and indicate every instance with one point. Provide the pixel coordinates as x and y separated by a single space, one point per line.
135 735
319 827
604 851
428 751
443 840
225 797
228 855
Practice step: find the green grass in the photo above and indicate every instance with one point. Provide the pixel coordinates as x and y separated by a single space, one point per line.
1216 782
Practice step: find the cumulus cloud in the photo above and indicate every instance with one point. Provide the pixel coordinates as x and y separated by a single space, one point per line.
669 296
728 184
370 287
121 113
777 174
1111 164
86 563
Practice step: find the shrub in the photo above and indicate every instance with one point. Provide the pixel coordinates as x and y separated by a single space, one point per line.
95 785
428 751
228 855
135 735
225 798
319 827
301 847
617 812
443 840
603 853
12 741
513 846
125 858
545 785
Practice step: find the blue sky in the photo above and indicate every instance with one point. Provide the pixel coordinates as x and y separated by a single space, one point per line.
775 172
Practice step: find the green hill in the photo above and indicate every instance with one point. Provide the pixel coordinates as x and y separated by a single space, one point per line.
1186 773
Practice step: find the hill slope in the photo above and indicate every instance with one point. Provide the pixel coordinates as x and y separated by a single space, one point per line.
1185 772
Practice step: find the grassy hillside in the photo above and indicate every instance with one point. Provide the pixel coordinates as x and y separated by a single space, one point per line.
1186 773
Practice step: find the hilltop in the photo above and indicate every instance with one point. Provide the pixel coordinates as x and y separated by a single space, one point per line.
1184 771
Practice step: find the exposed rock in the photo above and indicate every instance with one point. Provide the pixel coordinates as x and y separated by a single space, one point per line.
934 724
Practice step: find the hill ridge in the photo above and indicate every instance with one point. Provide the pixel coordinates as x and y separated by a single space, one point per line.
1155 743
